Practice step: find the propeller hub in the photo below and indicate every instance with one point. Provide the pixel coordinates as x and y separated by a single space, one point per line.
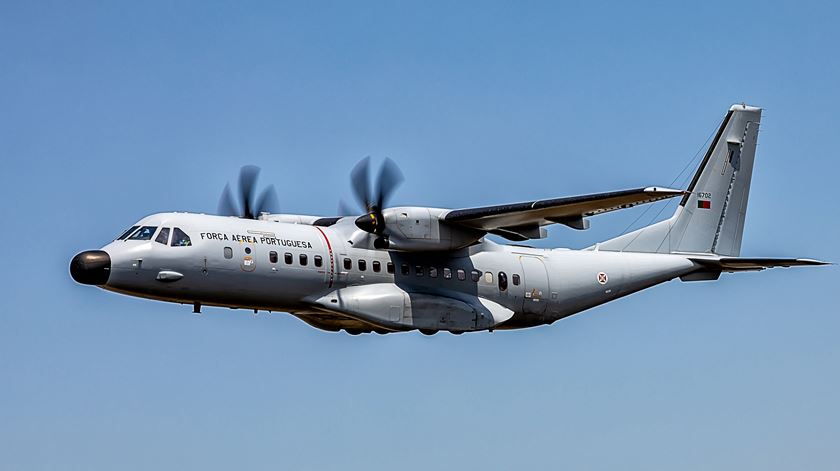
368 223
374 199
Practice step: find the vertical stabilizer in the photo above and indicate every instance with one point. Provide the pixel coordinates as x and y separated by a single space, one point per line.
710 218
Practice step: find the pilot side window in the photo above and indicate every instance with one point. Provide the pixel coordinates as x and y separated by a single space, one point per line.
377 266
228 252
163 236
362 265
390 268
303 259
287 258
462 275
515 279
475 275
180 239
318 260
144 233
272 257
447 273
127 233
502 281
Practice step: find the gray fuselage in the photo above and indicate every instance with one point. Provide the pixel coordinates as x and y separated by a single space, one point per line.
265 265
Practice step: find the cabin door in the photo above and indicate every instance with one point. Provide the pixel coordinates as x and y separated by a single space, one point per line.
535 284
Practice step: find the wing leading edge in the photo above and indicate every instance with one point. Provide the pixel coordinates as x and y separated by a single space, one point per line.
522 219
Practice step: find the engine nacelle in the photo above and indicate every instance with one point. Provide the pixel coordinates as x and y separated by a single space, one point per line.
422 229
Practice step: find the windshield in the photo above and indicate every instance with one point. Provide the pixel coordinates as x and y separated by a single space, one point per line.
127 233
145 233
163 236
180 239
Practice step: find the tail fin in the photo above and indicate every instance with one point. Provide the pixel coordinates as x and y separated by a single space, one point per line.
710 217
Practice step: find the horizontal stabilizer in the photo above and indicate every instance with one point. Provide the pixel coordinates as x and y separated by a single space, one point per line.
732 264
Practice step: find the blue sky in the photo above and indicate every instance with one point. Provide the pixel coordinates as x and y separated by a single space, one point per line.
111 111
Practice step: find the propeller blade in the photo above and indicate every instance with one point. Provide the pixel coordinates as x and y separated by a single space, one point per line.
345 210
227 206
247 185
268 202
360 181
248 207
390 178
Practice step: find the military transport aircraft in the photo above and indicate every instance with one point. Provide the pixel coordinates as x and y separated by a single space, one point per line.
396 269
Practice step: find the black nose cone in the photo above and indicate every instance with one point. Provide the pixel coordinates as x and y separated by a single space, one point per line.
91 267
367 222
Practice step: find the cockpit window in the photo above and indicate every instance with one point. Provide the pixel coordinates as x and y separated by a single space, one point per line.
144 233
127 233
180 239
163 236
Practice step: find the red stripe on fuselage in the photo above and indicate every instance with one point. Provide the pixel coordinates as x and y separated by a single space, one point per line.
332 259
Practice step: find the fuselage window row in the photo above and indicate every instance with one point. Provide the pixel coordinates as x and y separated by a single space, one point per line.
289 259
419 270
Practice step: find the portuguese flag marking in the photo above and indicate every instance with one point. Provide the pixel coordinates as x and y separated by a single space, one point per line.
704 204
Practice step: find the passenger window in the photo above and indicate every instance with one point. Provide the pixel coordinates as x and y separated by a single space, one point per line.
180 239
144 233
304 260
502 281
377 266
475 275
462 275
348 264
318 261
127 233
287 257
272 257
390 268
163 236
447 274
433 272
418 270
515 279
404 269
488 277
362 265
228 252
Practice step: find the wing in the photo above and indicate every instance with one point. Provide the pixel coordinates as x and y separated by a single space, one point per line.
524 219
732 264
